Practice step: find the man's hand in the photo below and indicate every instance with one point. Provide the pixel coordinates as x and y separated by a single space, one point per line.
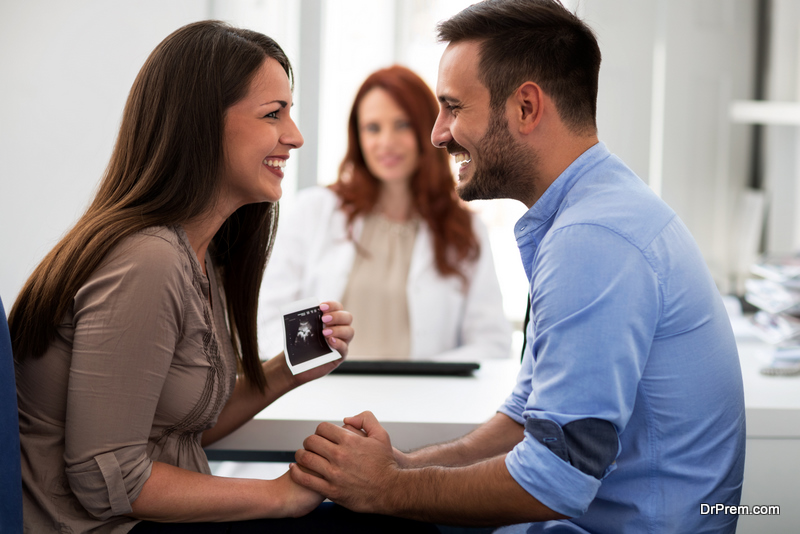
355 463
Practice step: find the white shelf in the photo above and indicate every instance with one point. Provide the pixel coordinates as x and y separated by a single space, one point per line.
765 112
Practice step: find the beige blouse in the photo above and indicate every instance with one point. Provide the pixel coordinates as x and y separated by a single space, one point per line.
376 290
140 367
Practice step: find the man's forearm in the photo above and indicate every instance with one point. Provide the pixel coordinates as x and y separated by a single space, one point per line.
497 436
356 467
481 494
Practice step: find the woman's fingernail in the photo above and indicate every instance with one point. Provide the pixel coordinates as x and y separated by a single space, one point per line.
327 318
332 340
324 307
327 332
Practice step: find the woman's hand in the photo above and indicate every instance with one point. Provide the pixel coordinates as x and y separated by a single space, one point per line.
246 402
338 333
337 326
299 501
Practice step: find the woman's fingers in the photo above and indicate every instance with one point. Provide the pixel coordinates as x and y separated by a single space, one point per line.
337 329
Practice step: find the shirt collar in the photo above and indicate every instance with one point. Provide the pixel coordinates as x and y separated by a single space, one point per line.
544 208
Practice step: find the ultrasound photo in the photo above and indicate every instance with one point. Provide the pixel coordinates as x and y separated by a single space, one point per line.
304 339
304 344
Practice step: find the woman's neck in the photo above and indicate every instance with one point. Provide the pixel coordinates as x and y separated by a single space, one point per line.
200 232
395 202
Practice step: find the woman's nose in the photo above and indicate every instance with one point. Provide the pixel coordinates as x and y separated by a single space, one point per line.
292 137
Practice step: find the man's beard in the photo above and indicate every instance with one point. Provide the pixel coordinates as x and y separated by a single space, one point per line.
504 168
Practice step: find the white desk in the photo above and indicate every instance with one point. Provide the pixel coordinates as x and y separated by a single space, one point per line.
416 410
772 468
420 410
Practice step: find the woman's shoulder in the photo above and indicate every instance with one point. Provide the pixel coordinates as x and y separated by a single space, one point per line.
155 240
155 249
145 263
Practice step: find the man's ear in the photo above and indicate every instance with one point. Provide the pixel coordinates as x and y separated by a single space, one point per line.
528 104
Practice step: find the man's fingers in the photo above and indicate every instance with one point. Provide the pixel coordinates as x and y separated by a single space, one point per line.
354 429
311 462
309 471
308 480
330 432
321 447
358 420
367 422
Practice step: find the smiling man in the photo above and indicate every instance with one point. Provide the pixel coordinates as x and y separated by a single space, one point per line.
628 412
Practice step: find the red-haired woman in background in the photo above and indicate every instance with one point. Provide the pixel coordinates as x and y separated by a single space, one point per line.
391 240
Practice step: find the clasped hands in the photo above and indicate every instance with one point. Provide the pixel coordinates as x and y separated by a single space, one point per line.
352 465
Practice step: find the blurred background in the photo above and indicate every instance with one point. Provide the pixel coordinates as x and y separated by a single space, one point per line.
699 97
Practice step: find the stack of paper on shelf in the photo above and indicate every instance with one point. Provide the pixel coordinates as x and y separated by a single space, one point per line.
782 269
777 295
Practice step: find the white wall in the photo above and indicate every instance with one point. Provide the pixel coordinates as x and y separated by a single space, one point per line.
670 69
67 67
66 71
782 148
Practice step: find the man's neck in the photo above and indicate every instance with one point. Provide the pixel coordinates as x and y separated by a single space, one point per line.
556 156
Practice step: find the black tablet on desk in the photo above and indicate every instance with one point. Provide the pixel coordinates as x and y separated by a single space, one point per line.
406 367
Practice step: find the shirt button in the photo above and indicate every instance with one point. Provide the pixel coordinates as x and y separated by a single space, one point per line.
523 226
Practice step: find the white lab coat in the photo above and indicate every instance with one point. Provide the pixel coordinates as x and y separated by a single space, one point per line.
313 257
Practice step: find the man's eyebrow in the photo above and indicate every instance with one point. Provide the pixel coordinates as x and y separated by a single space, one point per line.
445 99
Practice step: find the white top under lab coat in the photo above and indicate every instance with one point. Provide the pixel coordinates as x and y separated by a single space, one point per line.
313 256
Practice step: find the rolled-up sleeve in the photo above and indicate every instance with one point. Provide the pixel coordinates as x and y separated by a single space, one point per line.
127 320
595 303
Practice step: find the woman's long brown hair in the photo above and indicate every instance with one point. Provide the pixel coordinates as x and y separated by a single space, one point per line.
164 170
432 186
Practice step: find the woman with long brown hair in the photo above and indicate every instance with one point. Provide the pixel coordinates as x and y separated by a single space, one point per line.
391 240
129 336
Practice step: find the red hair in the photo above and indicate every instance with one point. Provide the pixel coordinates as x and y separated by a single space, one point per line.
432 186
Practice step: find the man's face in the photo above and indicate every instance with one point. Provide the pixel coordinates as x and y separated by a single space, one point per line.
493 163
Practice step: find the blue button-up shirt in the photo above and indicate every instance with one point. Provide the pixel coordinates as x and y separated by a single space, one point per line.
628 327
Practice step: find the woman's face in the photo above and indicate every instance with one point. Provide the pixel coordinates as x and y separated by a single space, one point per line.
388 142
259 133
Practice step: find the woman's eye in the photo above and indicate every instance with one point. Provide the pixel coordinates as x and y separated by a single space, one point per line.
273 115
371 128
402 125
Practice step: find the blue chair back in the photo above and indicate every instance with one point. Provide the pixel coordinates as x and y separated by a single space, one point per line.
10 476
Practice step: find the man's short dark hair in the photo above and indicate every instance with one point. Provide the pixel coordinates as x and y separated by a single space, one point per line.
533 40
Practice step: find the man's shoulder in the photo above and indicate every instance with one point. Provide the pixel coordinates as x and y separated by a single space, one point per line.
612 197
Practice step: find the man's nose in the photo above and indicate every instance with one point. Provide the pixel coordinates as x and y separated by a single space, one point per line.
440 135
